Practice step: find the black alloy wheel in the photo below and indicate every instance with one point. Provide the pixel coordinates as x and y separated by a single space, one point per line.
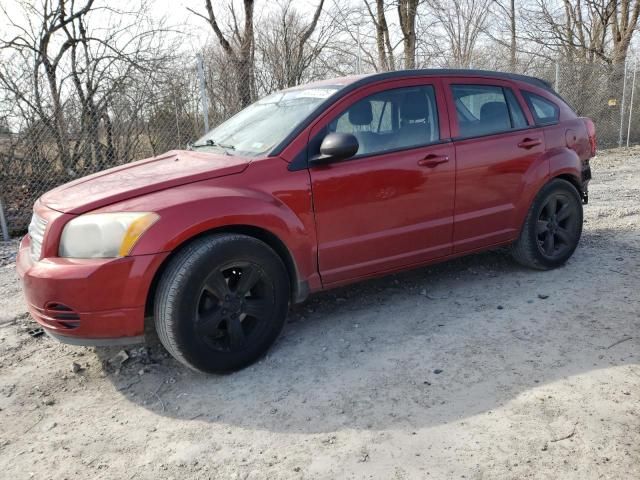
557 225
221 302
552 228
235 304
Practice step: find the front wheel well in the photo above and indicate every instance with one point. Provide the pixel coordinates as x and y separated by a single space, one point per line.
299 287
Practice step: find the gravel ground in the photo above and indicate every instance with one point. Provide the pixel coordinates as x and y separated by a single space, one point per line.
473 369
8 252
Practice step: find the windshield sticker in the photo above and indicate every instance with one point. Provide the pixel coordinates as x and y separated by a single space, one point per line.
316 93
319 93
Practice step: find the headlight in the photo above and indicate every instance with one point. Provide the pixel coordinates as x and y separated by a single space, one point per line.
104 235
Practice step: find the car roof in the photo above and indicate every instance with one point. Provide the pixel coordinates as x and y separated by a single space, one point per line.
359 80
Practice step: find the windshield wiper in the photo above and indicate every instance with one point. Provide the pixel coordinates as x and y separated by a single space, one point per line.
212 143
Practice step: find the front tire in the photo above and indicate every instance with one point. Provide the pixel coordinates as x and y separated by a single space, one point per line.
221 302
552 229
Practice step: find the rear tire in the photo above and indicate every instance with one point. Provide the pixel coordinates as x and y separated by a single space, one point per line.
221 302
552 229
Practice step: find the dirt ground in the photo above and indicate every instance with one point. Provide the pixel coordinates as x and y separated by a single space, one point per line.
475 369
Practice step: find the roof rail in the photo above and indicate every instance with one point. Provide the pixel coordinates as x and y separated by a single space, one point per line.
457 71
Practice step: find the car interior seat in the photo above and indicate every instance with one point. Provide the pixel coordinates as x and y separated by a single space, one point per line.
415 112
494 117
361 115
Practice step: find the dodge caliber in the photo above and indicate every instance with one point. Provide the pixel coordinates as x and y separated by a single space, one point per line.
307 189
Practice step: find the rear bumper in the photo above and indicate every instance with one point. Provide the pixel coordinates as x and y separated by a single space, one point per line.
88 301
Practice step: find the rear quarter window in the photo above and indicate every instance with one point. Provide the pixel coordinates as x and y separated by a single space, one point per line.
544 111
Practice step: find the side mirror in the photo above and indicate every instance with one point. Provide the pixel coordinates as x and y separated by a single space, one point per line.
336 146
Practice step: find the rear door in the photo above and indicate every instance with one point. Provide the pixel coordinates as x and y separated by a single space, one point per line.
392 204
498 149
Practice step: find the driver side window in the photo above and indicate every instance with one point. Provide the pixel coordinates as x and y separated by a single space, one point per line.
391 120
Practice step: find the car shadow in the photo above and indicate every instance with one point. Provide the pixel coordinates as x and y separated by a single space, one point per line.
416 349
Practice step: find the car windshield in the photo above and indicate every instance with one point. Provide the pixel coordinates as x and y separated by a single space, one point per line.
260 127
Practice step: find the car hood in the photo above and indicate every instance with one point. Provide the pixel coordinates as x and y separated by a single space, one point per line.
174 168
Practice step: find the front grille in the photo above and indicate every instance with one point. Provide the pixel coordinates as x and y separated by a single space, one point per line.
36 232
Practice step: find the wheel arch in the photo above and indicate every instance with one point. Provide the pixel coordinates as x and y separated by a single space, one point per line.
299 286
571 178
566 175
529 234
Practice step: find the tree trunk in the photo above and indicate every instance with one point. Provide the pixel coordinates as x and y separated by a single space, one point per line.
60 127
244 69
241 54
407 10
386 61
382 32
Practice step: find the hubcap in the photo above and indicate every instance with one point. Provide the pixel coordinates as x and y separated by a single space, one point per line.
557 226
234 306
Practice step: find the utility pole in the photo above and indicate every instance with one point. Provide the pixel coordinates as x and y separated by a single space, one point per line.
624 89
203 93
175 107
633 88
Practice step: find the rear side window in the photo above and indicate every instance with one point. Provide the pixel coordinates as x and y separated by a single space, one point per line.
544 111
486 109
394 119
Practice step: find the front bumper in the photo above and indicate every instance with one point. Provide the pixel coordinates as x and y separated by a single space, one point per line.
88 301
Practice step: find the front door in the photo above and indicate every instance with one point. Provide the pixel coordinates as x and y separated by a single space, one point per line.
391 205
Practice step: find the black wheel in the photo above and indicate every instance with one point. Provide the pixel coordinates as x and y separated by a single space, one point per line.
221 302
552 229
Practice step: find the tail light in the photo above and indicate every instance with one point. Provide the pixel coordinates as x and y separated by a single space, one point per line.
591 131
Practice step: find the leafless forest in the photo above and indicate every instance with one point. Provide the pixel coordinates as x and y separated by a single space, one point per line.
88 84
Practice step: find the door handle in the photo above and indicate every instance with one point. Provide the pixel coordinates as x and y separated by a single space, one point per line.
529 143
431 161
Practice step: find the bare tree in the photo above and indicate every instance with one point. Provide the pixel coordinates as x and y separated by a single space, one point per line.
102 66
286 47
350 40
37 44
240 49
624 23
407 11
590 31
507 9
386 60
463 21
65 75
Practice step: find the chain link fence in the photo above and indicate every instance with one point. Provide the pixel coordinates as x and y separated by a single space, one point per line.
35 160
39 153
603 94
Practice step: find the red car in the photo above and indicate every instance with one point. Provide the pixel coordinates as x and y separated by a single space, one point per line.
309 188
